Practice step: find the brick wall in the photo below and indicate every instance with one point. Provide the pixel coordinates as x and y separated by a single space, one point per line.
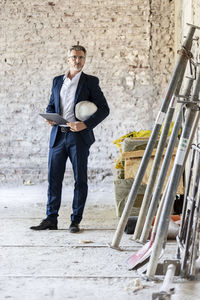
130 48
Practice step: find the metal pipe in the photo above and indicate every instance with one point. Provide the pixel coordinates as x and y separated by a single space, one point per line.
166 289
178 73
196 230
185 269
181 156
154 170
184 218
164 168
156 163
168 278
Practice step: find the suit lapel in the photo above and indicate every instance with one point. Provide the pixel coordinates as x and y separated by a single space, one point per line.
79 87
58 88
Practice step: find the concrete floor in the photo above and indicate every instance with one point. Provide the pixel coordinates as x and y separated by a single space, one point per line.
59 265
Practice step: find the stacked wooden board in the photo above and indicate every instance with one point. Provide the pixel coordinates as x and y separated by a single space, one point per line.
131 160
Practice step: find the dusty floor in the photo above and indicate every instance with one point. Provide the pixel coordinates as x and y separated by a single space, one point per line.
59 265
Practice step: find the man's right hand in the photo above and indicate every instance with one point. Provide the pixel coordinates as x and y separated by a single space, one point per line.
52 123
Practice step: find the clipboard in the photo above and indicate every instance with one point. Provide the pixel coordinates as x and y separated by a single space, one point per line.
54 117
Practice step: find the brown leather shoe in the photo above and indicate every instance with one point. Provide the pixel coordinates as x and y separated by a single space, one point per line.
45 224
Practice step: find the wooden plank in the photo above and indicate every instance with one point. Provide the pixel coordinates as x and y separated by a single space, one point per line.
140 153
131 167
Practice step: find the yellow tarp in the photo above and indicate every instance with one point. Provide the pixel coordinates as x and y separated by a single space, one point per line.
139 134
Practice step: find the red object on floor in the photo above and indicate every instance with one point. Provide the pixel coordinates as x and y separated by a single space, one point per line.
173 217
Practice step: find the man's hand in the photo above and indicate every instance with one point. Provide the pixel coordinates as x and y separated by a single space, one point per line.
76 126
51 122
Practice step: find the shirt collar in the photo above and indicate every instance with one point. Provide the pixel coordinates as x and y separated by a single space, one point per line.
77 76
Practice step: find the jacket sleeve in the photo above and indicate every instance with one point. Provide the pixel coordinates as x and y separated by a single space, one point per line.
97 97
51 106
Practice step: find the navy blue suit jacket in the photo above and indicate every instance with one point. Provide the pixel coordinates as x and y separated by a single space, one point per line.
88 89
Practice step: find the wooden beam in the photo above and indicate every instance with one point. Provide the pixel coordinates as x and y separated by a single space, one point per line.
140 153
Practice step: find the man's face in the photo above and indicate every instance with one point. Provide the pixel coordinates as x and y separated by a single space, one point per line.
76 60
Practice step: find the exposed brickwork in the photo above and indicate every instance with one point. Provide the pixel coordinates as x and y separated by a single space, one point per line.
162 58
130 49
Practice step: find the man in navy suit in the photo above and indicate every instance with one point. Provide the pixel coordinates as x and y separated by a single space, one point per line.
74 140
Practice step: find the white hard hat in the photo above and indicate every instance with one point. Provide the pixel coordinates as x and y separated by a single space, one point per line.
84 109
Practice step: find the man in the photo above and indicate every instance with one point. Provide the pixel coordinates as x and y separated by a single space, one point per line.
73 141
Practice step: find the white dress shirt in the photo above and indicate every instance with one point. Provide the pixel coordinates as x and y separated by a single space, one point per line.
67 95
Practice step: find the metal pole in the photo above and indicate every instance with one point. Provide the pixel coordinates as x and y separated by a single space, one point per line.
168 278
156 250
164 168
166 290
177 170
154 169
178 73
186 194
190 228
196 228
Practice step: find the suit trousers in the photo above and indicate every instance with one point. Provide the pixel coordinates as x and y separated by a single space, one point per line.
67 145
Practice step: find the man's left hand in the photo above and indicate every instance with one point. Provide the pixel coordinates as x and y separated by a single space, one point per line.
76 126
